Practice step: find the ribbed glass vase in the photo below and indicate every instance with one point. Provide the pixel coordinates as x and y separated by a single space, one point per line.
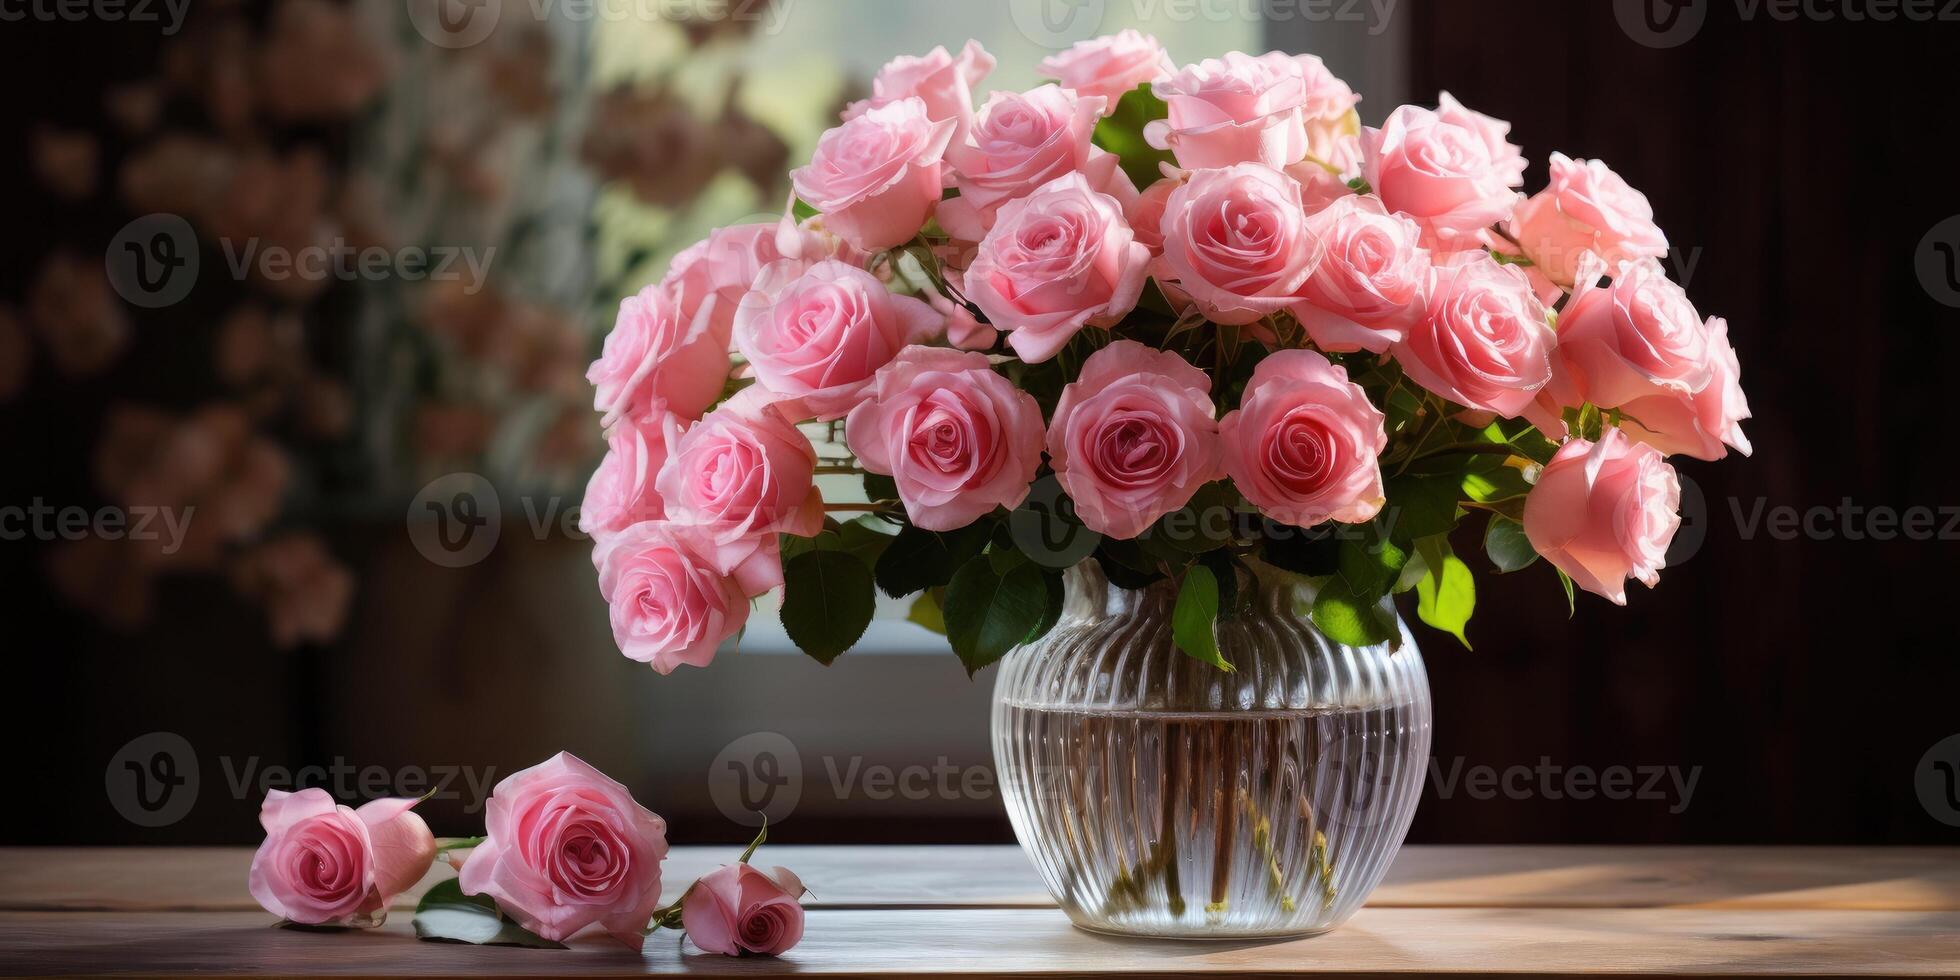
1161 796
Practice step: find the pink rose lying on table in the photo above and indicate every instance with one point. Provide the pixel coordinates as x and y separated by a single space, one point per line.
567 847
737 909
326 864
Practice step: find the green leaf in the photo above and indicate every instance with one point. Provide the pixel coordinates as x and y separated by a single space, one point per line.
827 602
919 559
1506 544
446 915
1349 619
988 614
1423 506
1194 620
861 539
1494 484
1447 595
925 612
1201 525
1369 564
1122 134
1571 594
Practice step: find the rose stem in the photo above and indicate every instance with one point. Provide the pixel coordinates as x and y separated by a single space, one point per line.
1221 862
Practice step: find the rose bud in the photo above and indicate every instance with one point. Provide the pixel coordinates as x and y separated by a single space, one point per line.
737 909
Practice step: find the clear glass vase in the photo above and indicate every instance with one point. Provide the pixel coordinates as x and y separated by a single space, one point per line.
1161 796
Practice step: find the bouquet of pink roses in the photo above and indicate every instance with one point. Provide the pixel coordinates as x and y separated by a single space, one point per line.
1187 319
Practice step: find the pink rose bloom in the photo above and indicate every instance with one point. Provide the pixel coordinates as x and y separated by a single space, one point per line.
1303 447
325 864
566 847
1109 66
1604 512
1057 259
736 909
1636 337
1333 127
1133 437
944 83
740 477
1146 214
668 604
957 438
1235 109
655 360
716 272
1237 240
1369 286
816 336
621 492
1451 169
1020 142
1483 341
1704 424
1585 208
877 177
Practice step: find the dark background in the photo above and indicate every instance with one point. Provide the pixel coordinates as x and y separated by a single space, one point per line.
1797 166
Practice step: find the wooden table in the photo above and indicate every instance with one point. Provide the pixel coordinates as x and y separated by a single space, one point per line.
980 910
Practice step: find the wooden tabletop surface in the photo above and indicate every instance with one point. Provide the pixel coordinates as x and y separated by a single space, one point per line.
909 911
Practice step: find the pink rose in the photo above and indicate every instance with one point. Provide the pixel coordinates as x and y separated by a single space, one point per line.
325 864
1483 340
957 438
1637 336
655 360
1333 127
1702 424
1368 288
1303 447
1133 437
1235 109
668 603
1109 66
876 178
621 491
1585 208
944 83
1604 512
1057 259
1451 169
1238 242
740 477
719 269
1146 214
566 846
1020 142
816 337
736 909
